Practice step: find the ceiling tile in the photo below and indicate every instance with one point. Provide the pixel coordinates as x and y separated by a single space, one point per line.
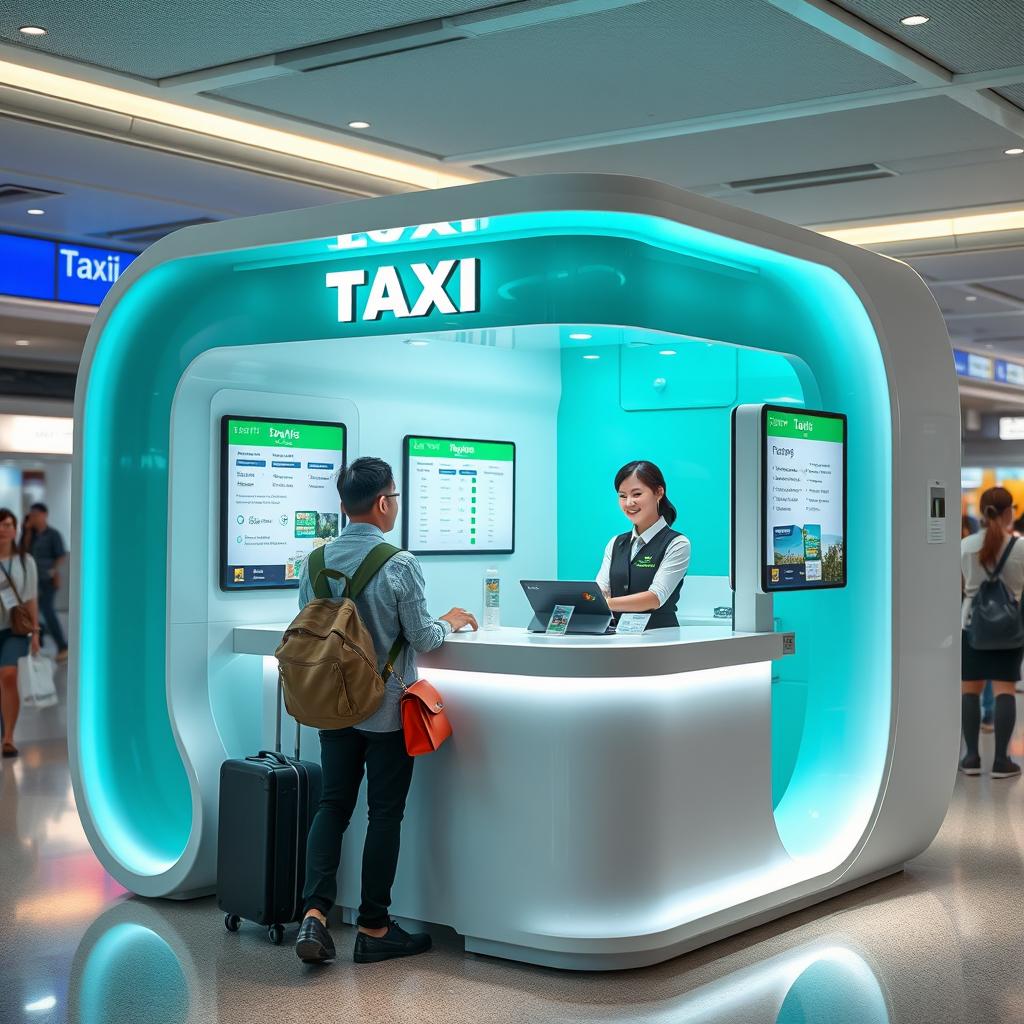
156 39
970 266
1014 93
914 137
647 63
965 36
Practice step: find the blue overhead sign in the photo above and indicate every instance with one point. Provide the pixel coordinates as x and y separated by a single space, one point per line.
35 268
27 267
979 367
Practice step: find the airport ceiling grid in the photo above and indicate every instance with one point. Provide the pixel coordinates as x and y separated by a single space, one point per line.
154 38
981 295
965 36
640 64
925 135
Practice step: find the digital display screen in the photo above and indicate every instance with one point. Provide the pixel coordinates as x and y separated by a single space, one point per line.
803 499
459 496
279 499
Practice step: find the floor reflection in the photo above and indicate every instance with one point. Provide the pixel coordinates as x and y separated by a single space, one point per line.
134 964
938 943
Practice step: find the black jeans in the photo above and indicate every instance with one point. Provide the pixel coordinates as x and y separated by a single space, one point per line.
343 753
48 613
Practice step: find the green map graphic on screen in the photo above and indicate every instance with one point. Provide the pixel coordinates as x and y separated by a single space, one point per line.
305 524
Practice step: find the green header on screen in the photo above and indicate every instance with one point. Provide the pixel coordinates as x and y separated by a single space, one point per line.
431 447
810 428
286 435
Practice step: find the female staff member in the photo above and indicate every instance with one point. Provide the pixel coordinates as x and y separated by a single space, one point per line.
643 569
17 587
980 555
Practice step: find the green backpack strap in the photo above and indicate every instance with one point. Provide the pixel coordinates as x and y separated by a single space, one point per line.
317 570
371 565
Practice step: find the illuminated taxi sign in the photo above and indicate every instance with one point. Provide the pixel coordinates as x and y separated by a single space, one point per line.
452 286
417 233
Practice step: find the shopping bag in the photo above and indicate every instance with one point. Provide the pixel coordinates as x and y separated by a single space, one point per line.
35 682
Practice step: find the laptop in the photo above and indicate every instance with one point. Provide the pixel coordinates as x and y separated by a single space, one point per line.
591 615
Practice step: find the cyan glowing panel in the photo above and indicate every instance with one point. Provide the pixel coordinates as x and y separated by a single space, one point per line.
548 268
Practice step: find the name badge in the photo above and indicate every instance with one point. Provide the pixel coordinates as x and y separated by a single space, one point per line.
632 622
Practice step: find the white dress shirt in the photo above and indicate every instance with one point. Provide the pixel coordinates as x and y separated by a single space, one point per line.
671 570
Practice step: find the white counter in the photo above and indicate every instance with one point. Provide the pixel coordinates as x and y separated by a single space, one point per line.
601 797
518 652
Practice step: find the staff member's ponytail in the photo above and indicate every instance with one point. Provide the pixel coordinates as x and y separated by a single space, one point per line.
649 474
994 502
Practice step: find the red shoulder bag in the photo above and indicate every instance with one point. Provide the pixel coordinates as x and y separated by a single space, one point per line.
424 721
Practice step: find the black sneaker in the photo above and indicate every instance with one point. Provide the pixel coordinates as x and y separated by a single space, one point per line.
1005 769
398 942
314 944
970 765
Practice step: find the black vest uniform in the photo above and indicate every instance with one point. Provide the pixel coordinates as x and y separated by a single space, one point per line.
634 576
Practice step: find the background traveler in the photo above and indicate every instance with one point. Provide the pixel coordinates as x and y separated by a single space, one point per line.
978 553
45 544
392 601
18 586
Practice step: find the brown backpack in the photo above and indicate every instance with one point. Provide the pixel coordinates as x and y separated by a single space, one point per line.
327 660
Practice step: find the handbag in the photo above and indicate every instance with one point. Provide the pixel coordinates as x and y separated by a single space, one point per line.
425 724
35 682
21 617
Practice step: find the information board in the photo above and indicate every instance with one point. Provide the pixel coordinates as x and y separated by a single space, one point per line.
803 499
459 496
279 498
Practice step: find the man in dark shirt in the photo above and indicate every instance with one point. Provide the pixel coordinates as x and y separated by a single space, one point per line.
46 546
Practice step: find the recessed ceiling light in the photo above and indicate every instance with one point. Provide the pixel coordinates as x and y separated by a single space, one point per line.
972 298
35 212
22 342
580 336
359 124
915 19
591 357
416 342
1013 151
32 30
667 352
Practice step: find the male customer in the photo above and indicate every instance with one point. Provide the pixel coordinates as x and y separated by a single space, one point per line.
45 544
392 602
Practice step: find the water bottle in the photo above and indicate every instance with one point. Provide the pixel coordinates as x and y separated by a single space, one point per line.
492 600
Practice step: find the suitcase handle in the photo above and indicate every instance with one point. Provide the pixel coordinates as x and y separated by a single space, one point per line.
277 729
274 755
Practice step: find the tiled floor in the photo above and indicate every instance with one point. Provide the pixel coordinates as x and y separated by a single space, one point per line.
941 943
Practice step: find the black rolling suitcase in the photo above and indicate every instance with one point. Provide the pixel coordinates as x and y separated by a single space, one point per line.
267 803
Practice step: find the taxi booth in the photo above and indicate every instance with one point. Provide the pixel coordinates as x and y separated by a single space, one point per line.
605 801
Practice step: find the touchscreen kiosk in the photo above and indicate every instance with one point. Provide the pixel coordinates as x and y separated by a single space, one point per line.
460 496
278 497
803 499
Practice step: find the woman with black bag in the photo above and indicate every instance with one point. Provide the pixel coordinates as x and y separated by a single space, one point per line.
993 554
19 622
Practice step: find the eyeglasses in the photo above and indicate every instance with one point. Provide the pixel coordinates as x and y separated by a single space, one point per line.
397 494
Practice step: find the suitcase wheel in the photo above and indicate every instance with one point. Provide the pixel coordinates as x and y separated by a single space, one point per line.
276 934
232 922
